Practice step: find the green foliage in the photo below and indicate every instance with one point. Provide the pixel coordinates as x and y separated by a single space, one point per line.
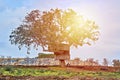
116 63
9 68
54 27
57 72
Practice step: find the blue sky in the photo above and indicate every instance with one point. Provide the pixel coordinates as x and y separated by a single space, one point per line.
106 13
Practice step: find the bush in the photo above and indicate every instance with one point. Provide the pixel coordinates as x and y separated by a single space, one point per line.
9 68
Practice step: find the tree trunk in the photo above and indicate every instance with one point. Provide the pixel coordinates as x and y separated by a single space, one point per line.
62 63
62 55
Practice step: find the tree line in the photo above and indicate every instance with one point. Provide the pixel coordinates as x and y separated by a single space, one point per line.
89 61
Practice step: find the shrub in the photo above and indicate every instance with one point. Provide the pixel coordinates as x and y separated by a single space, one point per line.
9 68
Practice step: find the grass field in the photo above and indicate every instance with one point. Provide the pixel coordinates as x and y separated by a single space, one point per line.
56 71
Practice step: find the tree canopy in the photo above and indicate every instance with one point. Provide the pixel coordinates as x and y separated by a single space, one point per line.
56 26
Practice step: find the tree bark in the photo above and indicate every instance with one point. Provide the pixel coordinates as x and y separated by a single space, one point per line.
62 63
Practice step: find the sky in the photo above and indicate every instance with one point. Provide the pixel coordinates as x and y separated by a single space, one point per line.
106 14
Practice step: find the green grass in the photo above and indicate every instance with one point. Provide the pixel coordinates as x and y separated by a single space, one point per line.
55 71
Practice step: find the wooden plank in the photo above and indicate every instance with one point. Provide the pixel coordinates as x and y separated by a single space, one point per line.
62 55
58 47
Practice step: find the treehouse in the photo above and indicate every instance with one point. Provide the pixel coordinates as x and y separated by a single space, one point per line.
61 52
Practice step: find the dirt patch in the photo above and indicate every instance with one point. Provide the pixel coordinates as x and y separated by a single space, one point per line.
33 78
51 78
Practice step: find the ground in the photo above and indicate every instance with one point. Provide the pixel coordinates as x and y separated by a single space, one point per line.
58 73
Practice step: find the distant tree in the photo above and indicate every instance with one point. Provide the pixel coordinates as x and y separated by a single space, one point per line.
17 61
9 60
90 61
105 62
1 60
77 60
33 61
54 27
97 63
116 63
27 60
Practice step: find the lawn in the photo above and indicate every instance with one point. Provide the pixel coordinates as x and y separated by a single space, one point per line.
56 71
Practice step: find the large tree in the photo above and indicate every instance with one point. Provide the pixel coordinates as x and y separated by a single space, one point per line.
54 27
